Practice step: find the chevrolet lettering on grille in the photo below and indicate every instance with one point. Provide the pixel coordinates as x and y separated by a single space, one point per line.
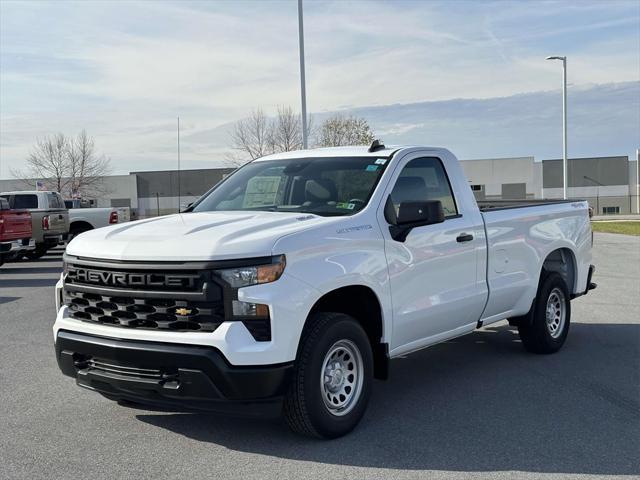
128 279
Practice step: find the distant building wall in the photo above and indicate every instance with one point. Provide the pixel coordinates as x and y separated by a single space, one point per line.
119 191
633 186
508 178
607 183
158 191
586 172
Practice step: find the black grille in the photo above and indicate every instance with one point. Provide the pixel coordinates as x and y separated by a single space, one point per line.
111 368
145 313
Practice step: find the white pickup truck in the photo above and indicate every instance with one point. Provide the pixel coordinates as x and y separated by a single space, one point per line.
83 219
291 284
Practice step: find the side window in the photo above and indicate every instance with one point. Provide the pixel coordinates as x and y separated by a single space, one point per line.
55 200
25 201
424 179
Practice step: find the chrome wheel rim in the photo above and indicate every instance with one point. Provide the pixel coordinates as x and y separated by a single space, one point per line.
556 312
341 377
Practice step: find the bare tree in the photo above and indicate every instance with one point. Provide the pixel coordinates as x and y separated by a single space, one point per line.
48 161
71 166
253 136
86 169
287 130
340 130
259 135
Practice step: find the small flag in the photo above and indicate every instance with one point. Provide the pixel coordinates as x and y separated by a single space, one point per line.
39 185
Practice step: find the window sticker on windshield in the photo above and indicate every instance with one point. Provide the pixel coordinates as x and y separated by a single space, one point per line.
261 191
381 161
345 205
371 168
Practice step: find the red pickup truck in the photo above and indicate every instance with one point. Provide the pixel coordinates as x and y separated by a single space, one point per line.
15 232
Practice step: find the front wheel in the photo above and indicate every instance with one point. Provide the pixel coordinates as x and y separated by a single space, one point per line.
332 377
549 327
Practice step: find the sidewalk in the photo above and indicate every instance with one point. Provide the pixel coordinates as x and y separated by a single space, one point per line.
616 218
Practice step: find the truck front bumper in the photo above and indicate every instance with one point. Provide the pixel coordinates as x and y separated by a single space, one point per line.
176 376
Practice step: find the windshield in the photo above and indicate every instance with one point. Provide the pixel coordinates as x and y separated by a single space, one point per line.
322 186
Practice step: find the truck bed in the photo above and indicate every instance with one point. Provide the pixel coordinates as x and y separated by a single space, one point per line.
14 225
486 205
520 234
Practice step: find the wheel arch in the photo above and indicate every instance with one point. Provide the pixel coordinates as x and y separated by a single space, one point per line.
361 303
80 224
562 261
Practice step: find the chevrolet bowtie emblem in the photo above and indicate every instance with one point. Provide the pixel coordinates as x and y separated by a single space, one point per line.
183 311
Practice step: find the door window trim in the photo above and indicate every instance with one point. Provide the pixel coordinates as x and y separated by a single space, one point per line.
446 176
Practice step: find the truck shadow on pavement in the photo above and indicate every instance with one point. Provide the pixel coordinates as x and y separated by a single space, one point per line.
8 299
25 269
28 282
477 403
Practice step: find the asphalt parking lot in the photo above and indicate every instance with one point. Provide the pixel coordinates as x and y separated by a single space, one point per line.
475 407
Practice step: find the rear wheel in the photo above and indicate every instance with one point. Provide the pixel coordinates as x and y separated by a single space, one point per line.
39 252
549 326
332 377
77 229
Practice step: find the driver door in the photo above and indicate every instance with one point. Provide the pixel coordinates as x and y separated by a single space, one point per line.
433 271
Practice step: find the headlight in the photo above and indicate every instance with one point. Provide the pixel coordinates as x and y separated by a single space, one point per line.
245 276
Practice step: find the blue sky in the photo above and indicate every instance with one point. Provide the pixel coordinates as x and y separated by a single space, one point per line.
124 70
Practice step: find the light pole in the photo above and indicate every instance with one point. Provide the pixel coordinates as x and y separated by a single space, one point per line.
303 89
178 164
564 122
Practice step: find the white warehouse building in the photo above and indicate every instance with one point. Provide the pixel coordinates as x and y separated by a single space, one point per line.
608 183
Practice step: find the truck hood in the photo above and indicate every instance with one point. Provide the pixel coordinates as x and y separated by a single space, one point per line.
198 236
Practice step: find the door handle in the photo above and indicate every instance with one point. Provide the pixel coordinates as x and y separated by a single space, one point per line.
464 237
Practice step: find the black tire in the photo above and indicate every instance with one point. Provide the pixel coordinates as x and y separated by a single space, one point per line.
305 409
39 252
537 335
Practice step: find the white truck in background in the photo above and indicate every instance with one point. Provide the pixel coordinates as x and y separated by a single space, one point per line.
291 284
83 219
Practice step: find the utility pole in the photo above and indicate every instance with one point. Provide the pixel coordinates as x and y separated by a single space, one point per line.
178 164
564 128
303 89
564 122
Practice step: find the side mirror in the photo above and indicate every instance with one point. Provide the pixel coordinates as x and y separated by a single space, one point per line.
421 213
415 214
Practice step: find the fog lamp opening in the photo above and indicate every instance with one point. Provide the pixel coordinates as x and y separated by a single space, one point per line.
247 309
